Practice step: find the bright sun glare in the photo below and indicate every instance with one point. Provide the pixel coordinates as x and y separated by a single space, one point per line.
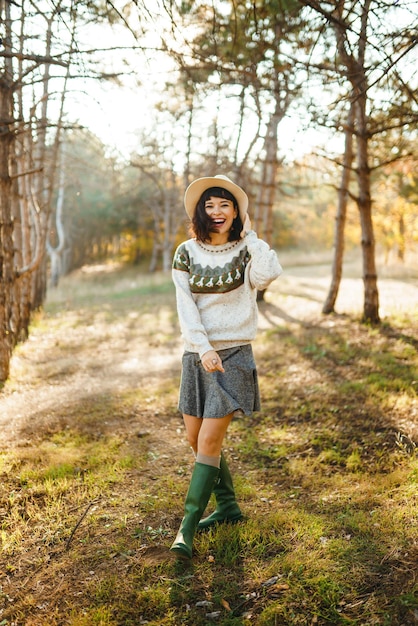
118 113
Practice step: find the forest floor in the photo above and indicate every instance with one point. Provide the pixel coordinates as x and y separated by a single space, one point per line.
94 464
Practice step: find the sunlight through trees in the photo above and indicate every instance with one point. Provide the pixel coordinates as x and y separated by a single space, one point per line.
219 88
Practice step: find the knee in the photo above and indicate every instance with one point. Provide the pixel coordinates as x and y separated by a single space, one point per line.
209 443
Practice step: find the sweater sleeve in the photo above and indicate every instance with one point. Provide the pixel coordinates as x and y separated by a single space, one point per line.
189 317
264 266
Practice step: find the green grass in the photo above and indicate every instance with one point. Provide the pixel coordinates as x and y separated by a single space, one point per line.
326 475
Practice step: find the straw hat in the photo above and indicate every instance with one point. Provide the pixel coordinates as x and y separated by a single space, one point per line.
198 186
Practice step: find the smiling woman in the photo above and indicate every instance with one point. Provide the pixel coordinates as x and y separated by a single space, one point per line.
217 274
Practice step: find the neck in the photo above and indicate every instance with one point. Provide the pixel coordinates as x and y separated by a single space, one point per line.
218 239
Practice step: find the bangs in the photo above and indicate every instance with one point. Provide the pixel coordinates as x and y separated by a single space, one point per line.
218 192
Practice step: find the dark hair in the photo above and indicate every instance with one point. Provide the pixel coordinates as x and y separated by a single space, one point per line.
200 226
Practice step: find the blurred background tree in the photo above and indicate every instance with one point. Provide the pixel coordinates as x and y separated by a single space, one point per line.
227 84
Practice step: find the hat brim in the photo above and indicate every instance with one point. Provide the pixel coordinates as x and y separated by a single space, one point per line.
198 186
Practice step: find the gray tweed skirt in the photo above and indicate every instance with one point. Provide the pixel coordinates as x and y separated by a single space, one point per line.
217 394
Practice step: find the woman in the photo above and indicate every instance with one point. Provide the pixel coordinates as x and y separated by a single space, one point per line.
217 274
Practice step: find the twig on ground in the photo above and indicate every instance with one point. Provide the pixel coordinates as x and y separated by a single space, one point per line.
70 538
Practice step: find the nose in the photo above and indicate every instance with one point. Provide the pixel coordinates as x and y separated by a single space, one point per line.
216 208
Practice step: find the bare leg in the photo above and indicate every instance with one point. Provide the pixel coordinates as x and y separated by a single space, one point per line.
206 435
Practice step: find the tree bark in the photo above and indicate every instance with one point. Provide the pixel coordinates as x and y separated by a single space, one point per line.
55 253
6 220
371 296
402 244
340 218
6 233
267 189
268 183
357 75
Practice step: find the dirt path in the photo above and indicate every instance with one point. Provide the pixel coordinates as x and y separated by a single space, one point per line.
73 356
58 368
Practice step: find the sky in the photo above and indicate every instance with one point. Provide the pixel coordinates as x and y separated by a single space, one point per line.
117 114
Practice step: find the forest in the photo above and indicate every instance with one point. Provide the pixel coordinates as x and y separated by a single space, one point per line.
233 79
109 109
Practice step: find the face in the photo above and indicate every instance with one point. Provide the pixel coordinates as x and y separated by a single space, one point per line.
221 213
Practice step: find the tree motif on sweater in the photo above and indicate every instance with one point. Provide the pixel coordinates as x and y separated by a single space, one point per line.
207 279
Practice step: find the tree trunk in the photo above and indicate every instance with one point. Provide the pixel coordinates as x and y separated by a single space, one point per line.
6 234
267 193
55 253
7 275
268 181
371 296
264 225
154 256
357 75
167 248
337 264
401 245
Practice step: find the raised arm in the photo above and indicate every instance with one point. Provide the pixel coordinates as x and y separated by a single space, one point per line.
264 266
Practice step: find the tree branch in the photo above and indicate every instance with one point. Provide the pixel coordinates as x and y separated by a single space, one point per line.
32 57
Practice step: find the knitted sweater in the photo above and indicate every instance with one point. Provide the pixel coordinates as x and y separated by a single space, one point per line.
216 289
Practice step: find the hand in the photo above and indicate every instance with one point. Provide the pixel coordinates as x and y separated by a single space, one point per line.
212 362
246 226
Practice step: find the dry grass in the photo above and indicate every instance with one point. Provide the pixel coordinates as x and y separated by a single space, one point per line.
94 466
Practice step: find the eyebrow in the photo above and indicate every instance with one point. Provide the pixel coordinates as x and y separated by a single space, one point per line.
221 199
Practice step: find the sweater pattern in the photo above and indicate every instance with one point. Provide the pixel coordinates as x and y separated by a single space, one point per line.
207 279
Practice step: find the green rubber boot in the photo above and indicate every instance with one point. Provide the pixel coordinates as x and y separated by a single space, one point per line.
227 509
201 486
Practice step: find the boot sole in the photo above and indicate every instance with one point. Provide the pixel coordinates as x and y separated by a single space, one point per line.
180 554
